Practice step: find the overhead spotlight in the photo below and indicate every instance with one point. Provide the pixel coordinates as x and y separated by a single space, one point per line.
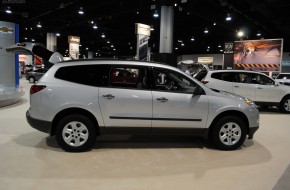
112 46
81 11
80 45
192 38
240 34
175 4
176 48
219 46
208 47
221 50
207 50
259 33
228 18
38 25
87 48
95 27
151 28
57 34
156 15
8 10
32 40
103 35
114 49
92 22
214 23
182 44
108 42
206 30
25 38
137 12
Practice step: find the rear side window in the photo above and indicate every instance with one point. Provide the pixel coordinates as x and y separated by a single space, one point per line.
225 76
93 75
283 76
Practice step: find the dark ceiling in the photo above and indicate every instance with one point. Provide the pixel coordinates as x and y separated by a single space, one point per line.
117 18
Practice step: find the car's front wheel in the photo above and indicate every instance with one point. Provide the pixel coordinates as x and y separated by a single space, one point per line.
228 133
76 133
285 105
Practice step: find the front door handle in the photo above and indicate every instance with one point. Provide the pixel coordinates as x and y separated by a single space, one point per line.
162 99
259 88
109 96
236 86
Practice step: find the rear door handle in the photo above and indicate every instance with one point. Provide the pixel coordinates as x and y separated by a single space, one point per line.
259 88
162 99
109 96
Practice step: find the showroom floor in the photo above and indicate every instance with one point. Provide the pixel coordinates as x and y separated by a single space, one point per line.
30 159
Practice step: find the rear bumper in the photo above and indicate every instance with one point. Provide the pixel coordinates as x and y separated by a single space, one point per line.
252 131
43 126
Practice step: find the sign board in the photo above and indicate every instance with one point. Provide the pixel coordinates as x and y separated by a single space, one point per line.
73 39
258 55
205 60
229 47
142 29
74 42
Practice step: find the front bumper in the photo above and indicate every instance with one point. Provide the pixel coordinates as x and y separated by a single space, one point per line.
43 126
252 131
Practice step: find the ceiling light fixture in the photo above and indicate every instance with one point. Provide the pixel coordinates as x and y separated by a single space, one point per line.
175 5
228 18
240 34
38 25
95 27
57 34
156 15
219 46
192 38
214 23
81 11
32 40
8 10
259 33
206 30
103 35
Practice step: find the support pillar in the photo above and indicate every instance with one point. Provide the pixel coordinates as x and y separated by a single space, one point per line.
90 55
51 41
166 29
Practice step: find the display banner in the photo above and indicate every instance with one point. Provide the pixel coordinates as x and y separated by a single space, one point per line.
74 42
143 33
258 55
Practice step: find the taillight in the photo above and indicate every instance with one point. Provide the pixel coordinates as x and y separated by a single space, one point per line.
36 88
204 81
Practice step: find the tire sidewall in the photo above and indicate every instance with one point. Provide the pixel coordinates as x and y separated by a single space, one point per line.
282 108
78 118
217 127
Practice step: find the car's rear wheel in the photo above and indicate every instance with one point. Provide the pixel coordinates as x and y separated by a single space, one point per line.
31 79
285 105
76 133
228 133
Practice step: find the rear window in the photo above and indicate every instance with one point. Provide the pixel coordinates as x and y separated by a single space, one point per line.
93 75
283 76
199 76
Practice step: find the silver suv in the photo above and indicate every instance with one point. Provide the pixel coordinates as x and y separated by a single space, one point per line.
256 86
78 100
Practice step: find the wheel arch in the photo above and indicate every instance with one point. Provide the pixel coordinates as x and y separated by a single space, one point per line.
70 111
229 113
282 100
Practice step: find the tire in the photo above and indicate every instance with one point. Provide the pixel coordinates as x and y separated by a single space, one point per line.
285 105
228 133
31 79
76 133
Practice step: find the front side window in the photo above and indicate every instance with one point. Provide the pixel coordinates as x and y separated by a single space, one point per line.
167 80
225 76
128 77
264 80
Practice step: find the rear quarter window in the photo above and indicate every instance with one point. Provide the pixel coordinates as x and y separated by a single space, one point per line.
93 75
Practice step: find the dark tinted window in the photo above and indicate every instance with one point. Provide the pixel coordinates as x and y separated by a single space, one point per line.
199 76
93 75
225 76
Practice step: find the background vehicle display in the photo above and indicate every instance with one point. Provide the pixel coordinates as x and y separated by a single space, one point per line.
35 75
256 86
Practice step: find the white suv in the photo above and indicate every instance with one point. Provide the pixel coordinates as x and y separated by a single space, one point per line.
78 100
256 86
